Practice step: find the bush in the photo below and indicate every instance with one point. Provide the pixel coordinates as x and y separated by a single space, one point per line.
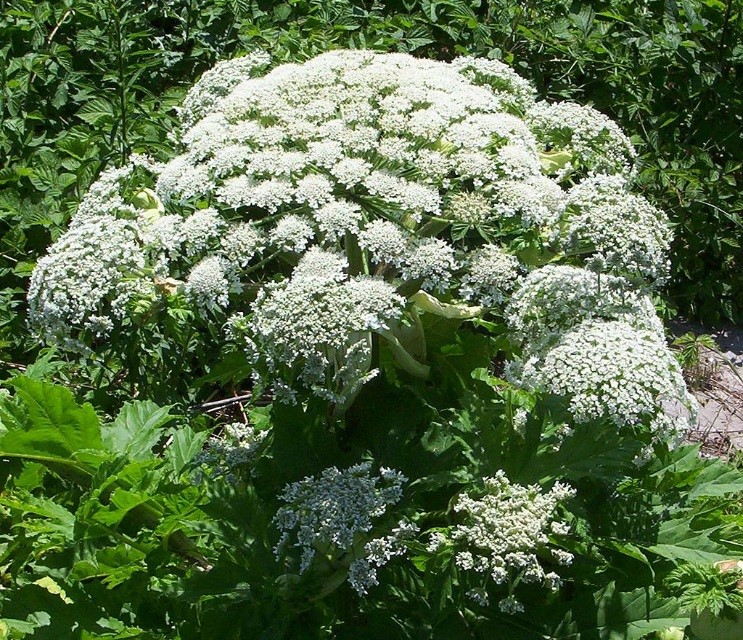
348 386
456 413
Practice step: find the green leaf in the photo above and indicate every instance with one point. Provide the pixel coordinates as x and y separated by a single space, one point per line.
678 540
233 367
630 550
55 424
97 111
628 615
25 627
46 365
113 564
122 502
51 518
52 587
282 12
185 445
607 614
136 430
717 479
593 450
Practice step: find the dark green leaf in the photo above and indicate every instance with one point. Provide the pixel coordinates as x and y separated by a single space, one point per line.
136 430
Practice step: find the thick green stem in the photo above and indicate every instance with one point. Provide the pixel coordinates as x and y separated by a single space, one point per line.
403 358
263 262
65 468
120 60
354 255
420 334
433 226
409 287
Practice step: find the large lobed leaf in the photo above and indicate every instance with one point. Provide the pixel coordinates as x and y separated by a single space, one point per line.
55 424
136 430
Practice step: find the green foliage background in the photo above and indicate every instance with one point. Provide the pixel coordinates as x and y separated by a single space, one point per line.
86 82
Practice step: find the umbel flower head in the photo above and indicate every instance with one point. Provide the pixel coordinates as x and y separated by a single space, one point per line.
619 232
87 279
315 324
502 535
331 512
555 298
597 143
612 371
491 276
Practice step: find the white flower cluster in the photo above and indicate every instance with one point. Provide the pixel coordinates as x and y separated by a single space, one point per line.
623 232
553 299
329 513
104 197
504 532
372 156
291 233
201 229
362 572
208 284
491 276
386 242
470 207
432 262
234 448
115 252
597 142
216 83
90 275
314 141
87 279
537 202
319 319
519 420
338 218
302 135
241 243
163 238
612 371
506 84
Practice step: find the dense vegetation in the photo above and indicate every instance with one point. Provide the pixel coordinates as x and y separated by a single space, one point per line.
479 438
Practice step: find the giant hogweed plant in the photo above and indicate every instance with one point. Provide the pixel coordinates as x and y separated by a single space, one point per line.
323 211
437 290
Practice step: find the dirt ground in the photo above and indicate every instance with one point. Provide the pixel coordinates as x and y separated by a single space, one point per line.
718 386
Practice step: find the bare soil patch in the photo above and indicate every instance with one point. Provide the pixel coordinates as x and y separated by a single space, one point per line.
718 386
